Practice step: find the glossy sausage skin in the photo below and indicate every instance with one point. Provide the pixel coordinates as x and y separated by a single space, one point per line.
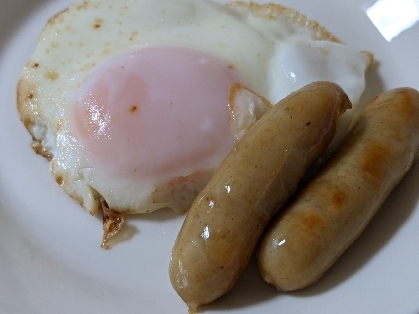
228 217
335 207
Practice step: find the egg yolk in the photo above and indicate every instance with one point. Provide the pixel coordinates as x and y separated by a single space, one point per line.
156 111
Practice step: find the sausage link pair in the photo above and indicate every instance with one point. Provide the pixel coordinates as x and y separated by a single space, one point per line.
228 217
335 207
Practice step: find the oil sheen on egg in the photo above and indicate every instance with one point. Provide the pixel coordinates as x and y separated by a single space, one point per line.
129 99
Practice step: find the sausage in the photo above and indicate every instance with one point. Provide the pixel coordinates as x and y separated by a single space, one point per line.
335 207
228 217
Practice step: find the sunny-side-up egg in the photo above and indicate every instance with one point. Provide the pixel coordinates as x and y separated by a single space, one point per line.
129 99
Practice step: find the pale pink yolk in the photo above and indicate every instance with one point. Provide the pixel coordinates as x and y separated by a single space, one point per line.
157 111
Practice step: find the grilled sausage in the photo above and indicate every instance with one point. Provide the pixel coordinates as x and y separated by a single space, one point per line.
228 217
335 207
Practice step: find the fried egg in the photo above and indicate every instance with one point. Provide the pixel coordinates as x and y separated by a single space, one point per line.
129 99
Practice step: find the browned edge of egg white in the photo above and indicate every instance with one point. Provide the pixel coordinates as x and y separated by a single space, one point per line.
275 11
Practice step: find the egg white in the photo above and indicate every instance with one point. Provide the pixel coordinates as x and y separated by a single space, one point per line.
273 48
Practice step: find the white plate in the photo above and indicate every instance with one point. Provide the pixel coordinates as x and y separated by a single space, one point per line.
50 255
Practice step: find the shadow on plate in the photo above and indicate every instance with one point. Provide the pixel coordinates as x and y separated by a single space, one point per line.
373 82
249 290
129 229
13 14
